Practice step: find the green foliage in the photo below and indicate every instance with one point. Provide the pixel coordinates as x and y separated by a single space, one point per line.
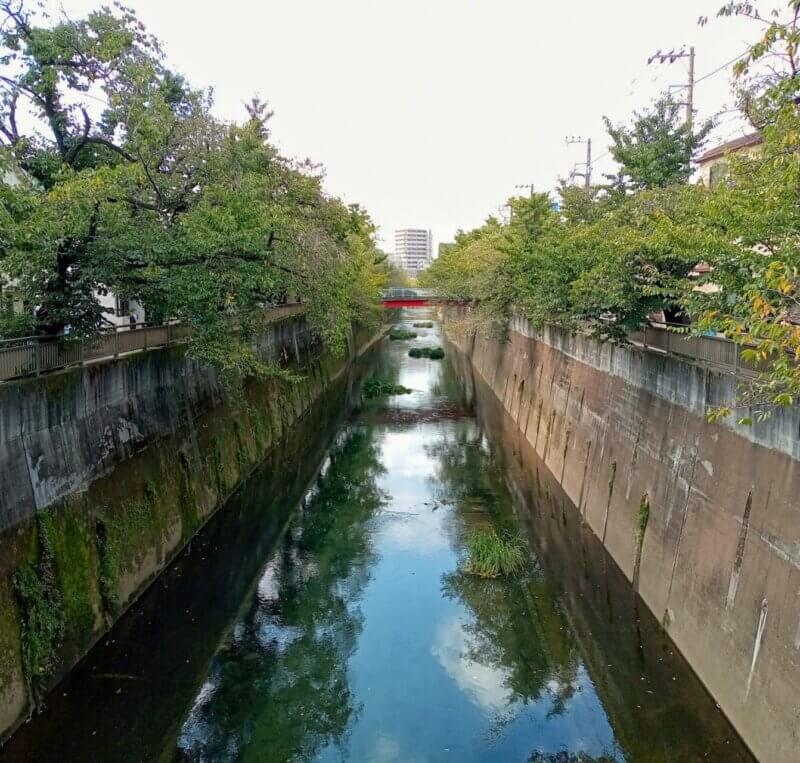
422 325
491 555
42 607
377 387
434 353
401 334
14 325
109 570
622 254
484 265
642 515
657 149
158 200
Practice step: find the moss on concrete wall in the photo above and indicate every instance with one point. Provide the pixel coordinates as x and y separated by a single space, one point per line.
71 571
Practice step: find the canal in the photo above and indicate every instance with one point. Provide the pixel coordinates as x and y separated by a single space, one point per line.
324 614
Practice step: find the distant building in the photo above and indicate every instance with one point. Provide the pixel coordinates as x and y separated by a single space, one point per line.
713 164
413 250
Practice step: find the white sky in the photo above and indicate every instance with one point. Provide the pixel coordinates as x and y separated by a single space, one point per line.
429 113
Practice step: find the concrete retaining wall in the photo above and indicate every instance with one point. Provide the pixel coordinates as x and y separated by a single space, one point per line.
106 472
704 519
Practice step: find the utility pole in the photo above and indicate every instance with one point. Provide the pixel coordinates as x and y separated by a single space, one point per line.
587 175
523 186
690 96
670 58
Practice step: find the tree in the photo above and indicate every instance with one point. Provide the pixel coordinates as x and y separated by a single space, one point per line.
765 77
158 200
656 150
749 225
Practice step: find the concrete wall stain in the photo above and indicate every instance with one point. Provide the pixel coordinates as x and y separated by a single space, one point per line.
104 513
711 558
740 547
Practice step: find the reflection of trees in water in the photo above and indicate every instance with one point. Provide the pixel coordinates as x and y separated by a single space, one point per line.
518 631
466 472
566 757
517 628
454 381
278 691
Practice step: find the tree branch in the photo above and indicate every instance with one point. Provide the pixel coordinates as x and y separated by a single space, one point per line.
98 141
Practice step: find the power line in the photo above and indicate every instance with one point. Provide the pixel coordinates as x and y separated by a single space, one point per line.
715 71
668 58
720 68
671 58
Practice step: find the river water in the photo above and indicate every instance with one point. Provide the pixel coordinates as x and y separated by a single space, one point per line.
324 614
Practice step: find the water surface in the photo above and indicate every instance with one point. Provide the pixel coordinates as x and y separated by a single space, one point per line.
325 616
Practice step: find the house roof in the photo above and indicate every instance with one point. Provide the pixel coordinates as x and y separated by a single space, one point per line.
753 139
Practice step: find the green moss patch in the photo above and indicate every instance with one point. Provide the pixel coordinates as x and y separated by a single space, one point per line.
43 619
401 334
434 353
377 387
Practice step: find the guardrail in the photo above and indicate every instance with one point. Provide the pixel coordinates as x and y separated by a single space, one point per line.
37 355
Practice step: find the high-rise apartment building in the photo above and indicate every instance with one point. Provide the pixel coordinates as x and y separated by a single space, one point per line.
413 249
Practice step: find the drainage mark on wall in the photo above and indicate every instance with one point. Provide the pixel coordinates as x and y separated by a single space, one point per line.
740 546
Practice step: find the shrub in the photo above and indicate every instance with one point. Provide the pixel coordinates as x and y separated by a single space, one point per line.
401 334
377 387
492 555
434 353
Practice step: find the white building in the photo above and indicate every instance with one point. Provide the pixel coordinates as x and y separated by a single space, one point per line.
413 249
119 313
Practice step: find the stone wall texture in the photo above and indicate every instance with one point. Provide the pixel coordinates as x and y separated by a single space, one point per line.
107 471
703 519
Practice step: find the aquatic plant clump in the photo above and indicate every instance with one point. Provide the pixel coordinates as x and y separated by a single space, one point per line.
377 387
491 555
434 353
401 334
422 325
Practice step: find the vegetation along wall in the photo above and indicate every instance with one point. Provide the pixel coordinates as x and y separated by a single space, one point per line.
702 518
106 472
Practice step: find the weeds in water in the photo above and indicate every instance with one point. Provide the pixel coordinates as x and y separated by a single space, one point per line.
491 555
434 353
401 334
377 387
422 325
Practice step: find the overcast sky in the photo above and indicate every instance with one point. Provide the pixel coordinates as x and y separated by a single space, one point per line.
430 112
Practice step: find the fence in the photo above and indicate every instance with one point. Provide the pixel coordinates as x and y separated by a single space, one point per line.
35 355
709 350
398 292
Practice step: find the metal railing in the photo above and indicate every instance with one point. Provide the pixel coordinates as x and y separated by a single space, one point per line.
398 292
37 355
708 350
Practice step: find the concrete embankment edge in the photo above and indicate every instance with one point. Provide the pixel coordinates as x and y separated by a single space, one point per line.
703 519
122 464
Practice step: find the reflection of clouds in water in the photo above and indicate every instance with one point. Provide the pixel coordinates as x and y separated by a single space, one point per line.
402 456
421 532
386 749
409 469
269 585
197 731
486 685
269 631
